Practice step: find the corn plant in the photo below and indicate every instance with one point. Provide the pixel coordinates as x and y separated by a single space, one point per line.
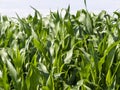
60 52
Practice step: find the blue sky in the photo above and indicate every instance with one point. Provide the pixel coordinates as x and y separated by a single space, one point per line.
22 7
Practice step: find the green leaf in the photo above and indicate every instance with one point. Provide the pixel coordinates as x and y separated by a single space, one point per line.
50 82
42 68
80 83
40 47
102 60
4 82
12 70
85 4
108 78
45 88
68 58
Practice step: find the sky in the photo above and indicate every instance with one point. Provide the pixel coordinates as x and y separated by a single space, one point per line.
22 7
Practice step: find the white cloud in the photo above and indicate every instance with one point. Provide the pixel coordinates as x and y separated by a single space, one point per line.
21 12
22 7
109 5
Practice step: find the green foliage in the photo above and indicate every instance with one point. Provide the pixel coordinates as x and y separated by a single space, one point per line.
61 51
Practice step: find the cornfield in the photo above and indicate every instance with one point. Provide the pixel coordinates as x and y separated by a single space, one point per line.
60 52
